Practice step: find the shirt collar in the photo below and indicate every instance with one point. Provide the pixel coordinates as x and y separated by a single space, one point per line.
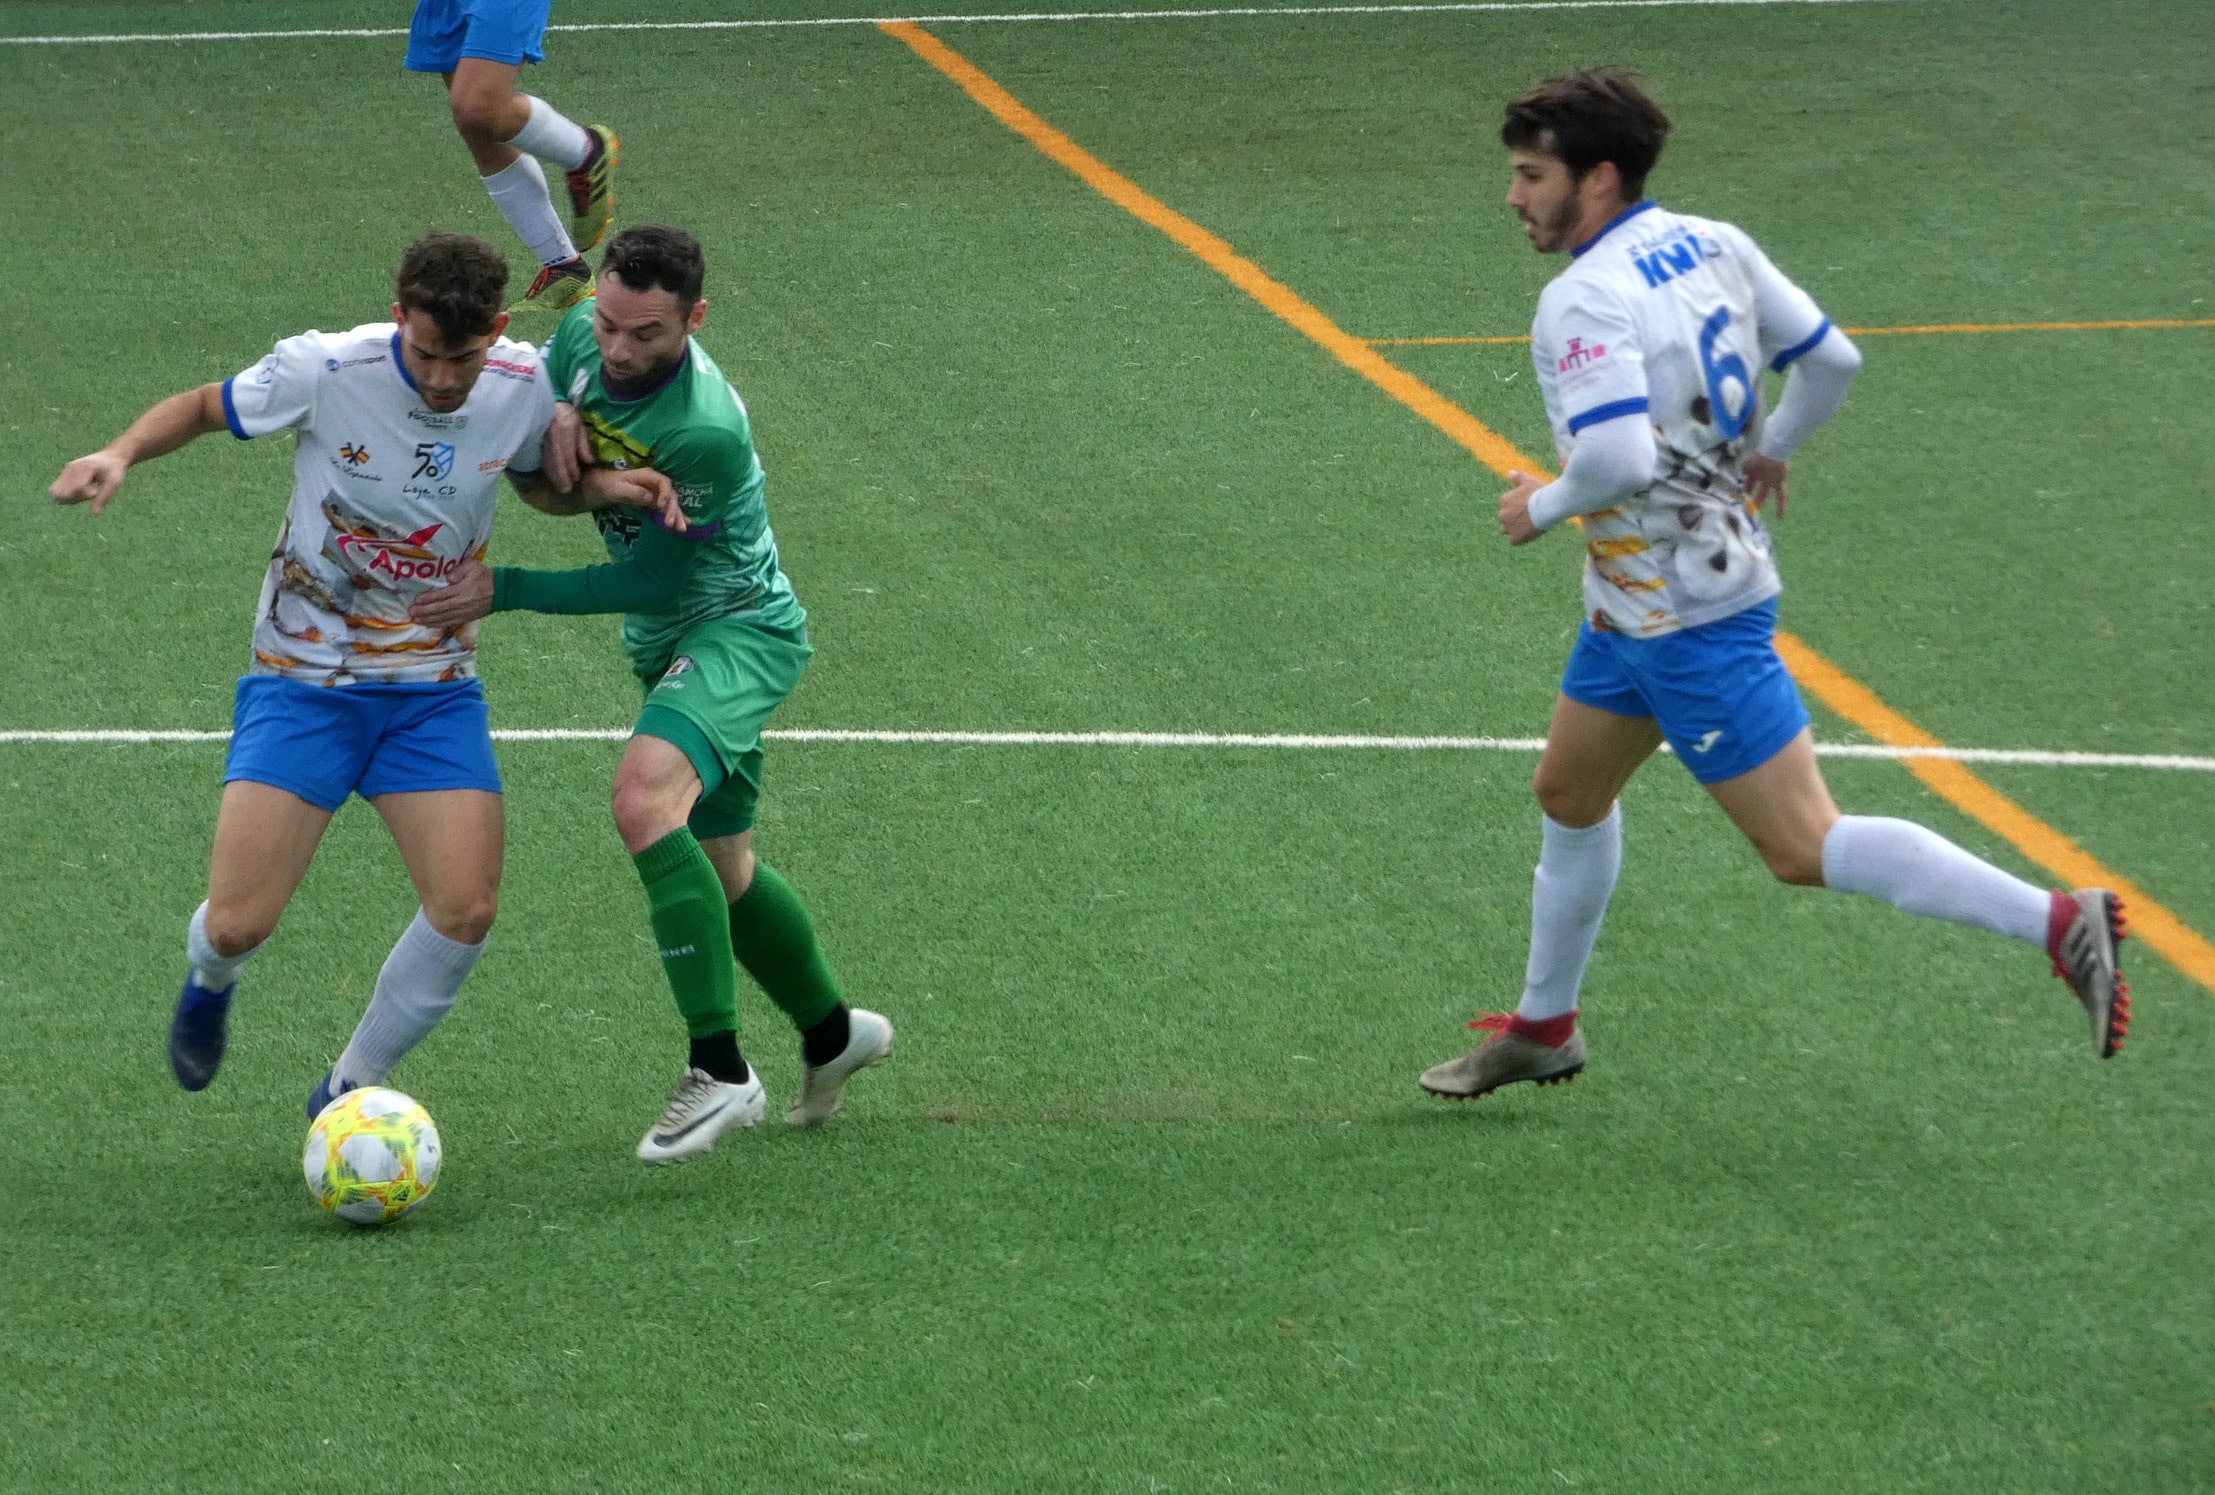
1609 227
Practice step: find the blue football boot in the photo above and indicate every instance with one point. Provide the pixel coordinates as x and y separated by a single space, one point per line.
198 1033
325 1091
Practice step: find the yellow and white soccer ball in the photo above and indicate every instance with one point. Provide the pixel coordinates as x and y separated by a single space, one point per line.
371 1156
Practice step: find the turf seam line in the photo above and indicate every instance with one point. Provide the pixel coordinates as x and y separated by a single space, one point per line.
1925 329
1457 7
2045 846
1300 741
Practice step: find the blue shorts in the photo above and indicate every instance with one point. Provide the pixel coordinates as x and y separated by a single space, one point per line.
445 31
1719 693
324 742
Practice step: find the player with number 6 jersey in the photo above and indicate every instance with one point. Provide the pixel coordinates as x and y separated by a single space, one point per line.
1649 349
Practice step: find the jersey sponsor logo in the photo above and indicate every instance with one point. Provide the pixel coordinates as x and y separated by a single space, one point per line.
1578 355
508 369
434 460
1680 254
677 666
357 455
375 557
436 421
355 363
495 465
614 448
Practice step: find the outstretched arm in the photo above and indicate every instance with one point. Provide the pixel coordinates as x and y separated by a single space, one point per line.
169 425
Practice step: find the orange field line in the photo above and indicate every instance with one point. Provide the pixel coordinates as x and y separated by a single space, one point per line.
2044 845
2175 941
1483 443
1926 329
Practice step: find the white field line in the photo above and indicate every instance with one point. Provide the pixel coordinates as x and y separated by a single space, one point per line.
1456 7
1301 741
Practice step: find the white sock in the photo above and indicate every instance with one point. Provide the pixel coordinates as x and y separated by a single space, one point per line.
1569 893
552 136
519 192
213 971
1921 872
416 988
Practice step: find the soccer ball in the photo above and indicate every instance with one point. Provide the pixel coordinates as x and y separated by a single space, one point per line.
372 1156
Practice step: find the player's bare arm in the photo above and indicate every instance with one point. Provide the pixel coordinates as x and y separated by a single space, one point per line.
605 488
181 418
568 447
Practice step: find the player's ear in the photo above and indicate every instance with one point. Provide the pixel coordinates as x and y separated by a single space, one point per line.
699 315
399 315
499 324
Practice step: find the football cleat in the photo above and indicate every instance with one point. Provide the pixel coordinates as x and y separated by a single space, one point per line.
592 189
326 1090
559 287
198 1033
822 1086
2086 955
701 1109
1503 1059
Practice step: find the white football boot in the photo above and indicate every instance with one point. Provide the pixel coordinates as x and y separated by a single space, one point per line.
702 1109
823 1086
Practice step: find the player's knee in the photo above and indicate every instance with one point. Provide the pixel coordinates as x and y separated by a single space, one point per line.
1567 802
1800 866
479 115
644 812
234 931
465 920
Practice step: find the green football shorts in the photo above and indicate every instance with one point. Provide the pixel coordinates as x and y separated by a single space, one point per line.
711 701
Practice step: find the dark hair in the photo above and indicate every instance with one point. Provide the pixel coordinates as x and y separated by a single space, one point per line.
1589 116
651 256
457 280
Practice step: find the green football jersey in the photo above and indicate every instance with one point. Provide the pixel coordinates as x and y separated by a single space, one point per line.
694 431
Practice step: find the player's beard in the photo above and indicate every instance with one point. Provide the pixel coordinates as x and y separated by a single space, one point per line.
653 378
1553 234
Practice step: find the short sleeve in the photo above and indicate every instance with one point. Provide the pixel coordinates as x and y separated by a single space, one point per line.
1593 362
562 349
1790 322
277 392
529 458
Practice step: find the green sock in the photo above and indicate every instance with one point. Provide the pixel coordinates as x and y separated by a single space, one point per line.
774 939
684 900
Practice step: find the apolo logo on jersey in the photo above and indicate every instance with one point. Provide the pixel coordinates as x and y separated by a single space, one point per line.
433 460
389 558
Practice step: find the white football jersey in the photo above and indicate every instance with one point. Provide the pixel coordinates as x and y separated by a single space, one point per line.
388 498
1670 319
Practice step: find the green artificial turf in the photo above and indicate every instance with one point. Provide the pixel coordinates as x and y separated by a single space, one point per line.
1147 1198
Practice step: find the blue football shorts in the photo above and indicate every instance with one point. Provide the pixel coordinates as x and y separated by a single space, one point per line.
324 742
445 31
1721 696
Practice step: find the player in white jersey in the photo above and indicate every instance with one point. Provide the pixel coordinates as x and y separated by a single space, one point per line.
1648 349
403 429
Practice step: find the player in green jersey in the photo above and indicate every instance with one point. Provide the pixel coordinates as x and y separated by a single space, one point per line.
718 640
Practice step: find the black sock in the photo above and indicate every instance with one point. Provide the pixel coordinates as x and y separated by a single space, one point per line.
827 1039
718 1054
